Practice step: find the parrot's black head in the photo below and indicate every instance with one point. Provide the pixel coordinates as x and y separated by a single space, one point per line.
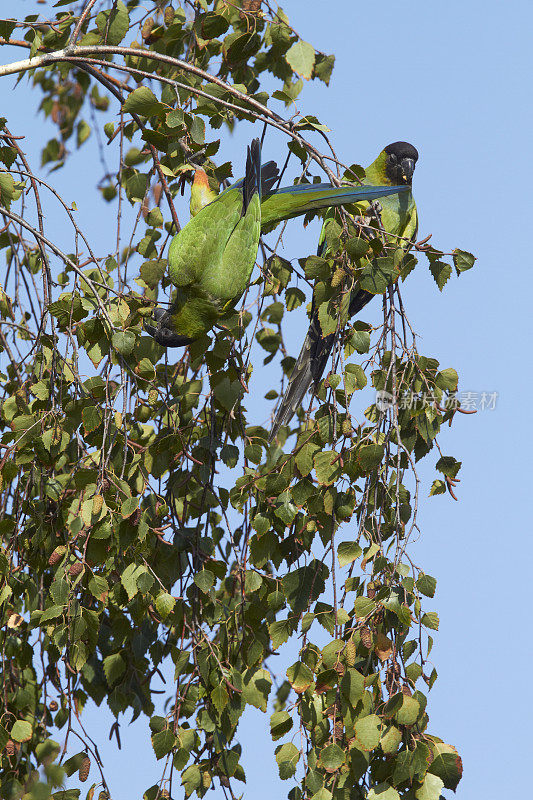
162 332
400 162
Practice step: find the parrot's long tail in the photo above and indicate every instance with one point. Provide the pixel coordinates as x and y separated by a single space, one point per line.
252 178
269 176
311 363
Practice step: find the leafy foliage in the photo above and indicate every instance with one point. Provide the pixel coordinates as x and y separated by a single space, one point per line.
145 519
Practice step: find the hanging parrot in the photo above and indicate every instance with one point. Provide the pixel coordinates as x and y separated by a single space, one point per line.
212 257
396 217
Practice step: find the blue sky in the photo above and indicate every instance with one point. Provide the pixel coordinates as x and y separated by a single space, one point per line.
454 79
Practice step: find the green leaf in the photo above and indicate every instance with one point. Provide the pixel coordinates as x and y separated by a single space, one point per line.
129 578
327 467
446 764
303 585
136 187
21 731
324 67
300 677
98 586
261 524
163 742
7 26
123 341
257 688
52 612
301 58
205 580
212 25
328 319
431 620
332 757
114 24
241 47
72 764
46 751
285 509
368 732
448 466
447 379
294 298
358 342
437 487
383 791
191 779
377 275
462 260
279 632
220 697
391 740
228 392
354 378
41 390
164 604
352 685
430 789
322 794
129 507
363 606
369 457
347 552
409 711
7 189
304 457
280 724
316 268
83 132
287 757
114 668
91 417
311 123
253 453
426 585
441 272
197 130
63 794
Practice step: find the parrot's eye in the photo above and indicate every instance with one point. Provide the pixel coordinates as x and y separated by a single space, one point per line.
392 158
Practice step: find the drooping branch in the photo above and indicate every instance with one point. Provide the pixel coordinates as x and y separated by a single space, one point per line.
255 108
63 256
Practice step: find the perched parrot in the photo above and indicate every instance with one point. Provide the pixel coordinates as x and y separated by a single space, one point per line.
212 257
397 217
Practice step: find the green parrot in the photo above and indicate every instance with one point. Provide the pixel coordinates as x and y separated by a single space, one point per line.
212 257
397 217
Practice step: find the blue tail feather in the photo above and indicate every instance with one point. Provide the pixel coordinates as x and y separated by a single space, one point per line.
252 178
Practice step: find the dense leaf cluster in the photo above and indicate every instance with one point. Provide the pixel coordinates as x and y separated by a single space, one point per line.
145 519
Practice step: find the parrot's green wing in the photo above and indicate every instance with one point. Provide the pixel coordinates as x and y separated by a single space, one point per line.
396 215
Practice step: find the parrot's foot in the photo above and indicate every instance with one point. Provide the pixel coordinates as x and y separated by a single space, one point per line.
163 333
